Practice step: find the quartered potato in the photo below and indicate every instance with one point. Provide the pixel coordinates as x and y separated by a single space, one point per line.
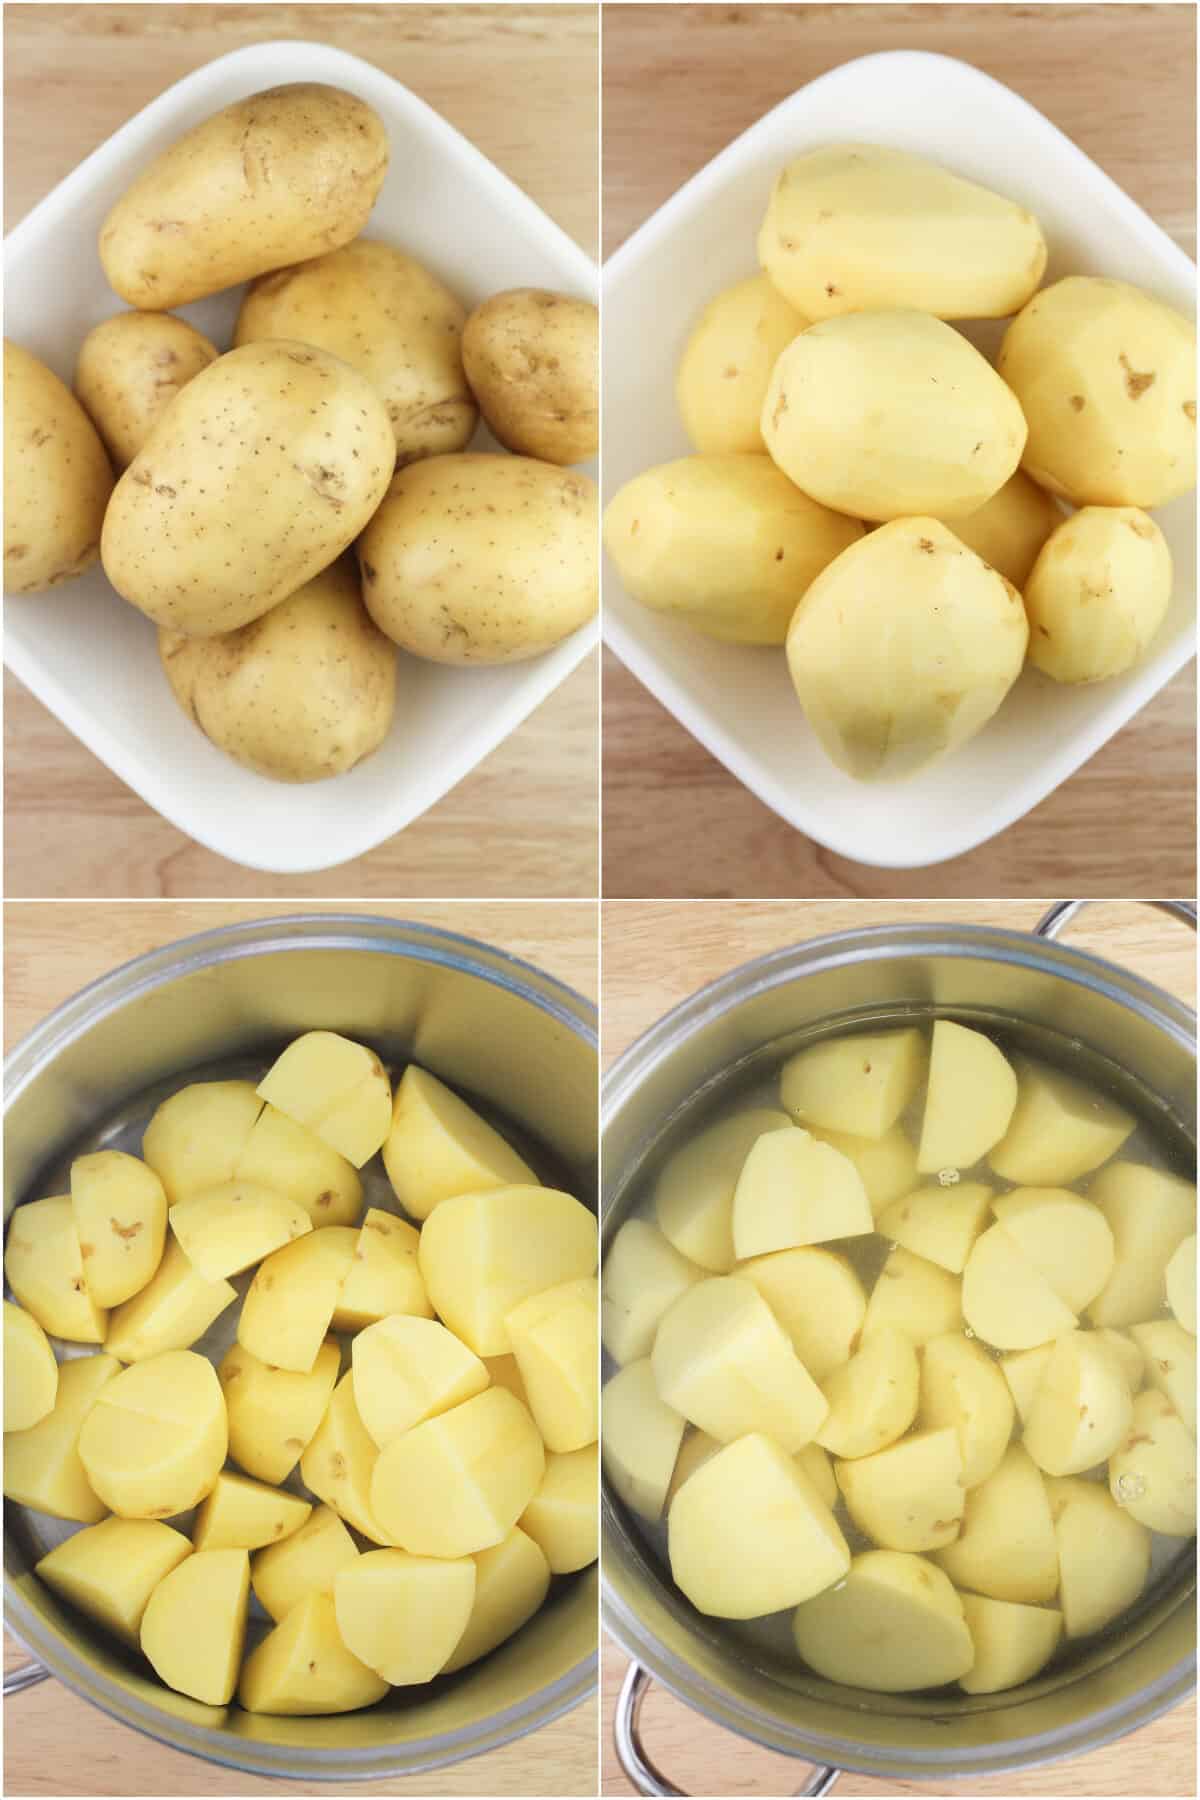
438 1146
795 1190
1103 1554
909 1496
197 1135
289 1306
110 1570
230 1228
1152 1473
563 1518
1006 1548
940 1224
403 1615
239 1514
1060 1130
121 1221
511 1581
274 1413
1081 1408
969 1101
285 1573
153 1443
1006 1300
42 1465
554 1341
693 1199
1169 1355
916 1297
194 1625
1128 1356
1065 1237
44 1265
1150 1213
1181 1283
887 1164
1011 1642
858 1084
1022 1371
339 1461
303 1668
962 1387
337 1088
894 1624
641 1436
278 1153
643 1275
30 1370
384 1274
407 1369
817 1298
872 1397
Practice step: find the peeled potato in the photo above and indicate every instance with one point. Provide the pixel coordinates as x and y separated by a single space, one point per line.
511 1581
727 361
121 1220
194 1626
406 1370
1103 1554
894 1625
962 1387
402 1615
817 1298
274 1413
303 1668
110 1570
858 1084
554 1339
795 1190
195 1138
285 1573
173 1310
294 1161
1081 1409
1152 1473
563 1518
1006 1548
438 1146
156 1437
289 1306
909 1496
238 1514
339 1462
226 1229
1127 1354
887 1164
1009 529
641 1435
812 1461
969 1101
1169 1354
693 1197
30 1370
939 1223
1149 1213
42 1466
1023 1370
1011 1642
44 1265
337 1088
1181 1283
1065 1237
873 1397
916 1297
384 1275
643 1274
1006 1301
1098 594
1060 1129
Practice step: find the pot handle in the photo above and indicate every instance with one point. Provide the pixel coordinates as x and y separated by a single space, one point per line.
26 1676
631 1753
1064 912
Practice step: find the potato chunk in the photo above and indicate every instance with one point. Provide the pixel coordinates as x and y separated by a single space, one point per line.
1127 1354
1011 1642
285 1573
173 1310
44 1265
641 1435
384 1276
1060 1129
969 1101
303 1668
887 1164
1103 1554
511 1581
1081 1409
916 1297
962 1387
909 1496
1181 1283
894 1625
406 1370
154 1442
1152 1472
1006 1301
817 1298
337 1088
1023 1370
1169 1356
194 1626
873 1397
295 1162
693 1197
564 1515
643 1274
290 1304
438 1146
403 1615
1150 1213
238 1514
110 1570
1006 1548
42 1466
1098 594
339 1462
859 1084
121 1221
1064 1236
30 1370
554 1339
195 1138
274 1413
795 1190
939 1223
227 1229
748 1534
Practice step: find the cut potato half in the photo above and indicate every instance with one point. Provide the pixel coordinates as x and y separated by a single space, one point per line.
963 1388
909 1496
895 1625
1081 1409
817 1298
1150 1214
939 1223
1006 1301
1064 1236
969 1100
1012 1642
859 1084
795 1190
1103 1554
916 1297
1006 1548
640 1438
1060 1129
643 1275
693 1197
873 1397
1152 1472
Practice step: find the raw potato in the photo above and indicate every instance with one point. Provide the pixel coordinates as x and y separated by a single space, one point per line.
891 415
482 1254
110 1570
1005 1300
438 1146
475 559
1009 529
643 1275
1105 375
230 1228
724 542
1103 1554
904 648
57 479
794 1190
1127 1354
939 1223
722 1360
42 1466
1007 1548
173 1310
961 1386
511 1581
305 453
859 1084
289 1306
1098 593
1181 1283
1064 1236
532 358
1011 1642
1023 1370
916 1296
306 1563
245 1515
641 1436
129 370
856 227
727 362
305 692
388 317
1150 1214
384 1275
909 1496
459 1483
408 1369
338 1088
121 1221
887 1164
894 1625
30 1370
812 1461
873 1397
555 1340
194 1626
1059 1131
693 1197
748 1534
288 1157
339 1460
1082 1407
969 1102
819 1301
303 1669
505 1373
563 1518
44 1266
196 1137
1170 1364
1152 1474
284 174
156 1437
402 1615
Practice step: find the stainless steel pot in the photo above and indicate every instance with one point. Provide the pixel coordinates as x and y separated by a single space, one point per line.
517 1041
1068 1007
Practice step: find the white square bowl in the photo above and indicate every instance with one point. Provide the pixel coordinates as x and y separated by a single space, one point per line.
92 659
739 702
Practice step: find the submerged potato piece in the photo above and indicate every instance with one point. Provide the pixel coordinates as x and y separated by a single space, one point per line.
640 1435
1181 1283
1149 1213
722 1360
1169 1354
532 358
1006 1548
1022 1371
1105 375
407 1369
795 1190
294 1161
482 1254
1007 1301
916 1297
725 543
1103 1554
854 227
872 1397
1060 1130
303 1669
817 1298
285 1573
30 1370
289 1306
1128 1356
748 1534
196 1137
693 1197
274 1413
128 371
887 1164
969 1101
339 1461
477 559
286 173
961 1386
1009 529
238 1514
909 1496
894 1625
42 1465
1098 593
402 1615
555 1341
121 1221
812 1461
1081 1409
858 1084
194 1625
1152 1473
439 1146
57 478
891 415
338 1088
643 1274
155 1439
511 1581
563 1517
232 1227
384 1275
726 364
44 1265
939 1223
1011 1642
110 1570
1064 1236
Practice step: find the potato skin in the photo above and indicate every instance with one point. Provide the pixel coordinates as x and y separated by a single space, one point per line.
726 543
261 472
129 370
1106 378
1009 530
57 478
727 361
390 319
856 227
890 415
280 176
481 559
1098 593
533 361
304 692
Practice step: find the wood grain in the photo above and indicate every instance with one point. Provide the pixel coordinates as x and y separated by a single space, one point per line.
657 954
680 82
521 82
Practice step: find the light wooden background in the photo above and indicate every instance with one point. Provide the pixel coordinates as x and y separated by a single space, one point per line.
56 1744
521 82
655 955
680 82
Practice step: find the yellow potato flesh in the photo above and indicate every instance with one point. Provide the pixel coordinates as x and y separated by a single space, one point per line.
1152 1472
795 1190
384 1275
873 1397
194 1625
939 1223
1011 1642
817 1298
969 1102
1181 1283
110 1570
857 1084
121 1221
909 1496
173 1310
303 1668
1005 1300
406 1370
563 1518
1006 1548
1023 1370
337 1088
504 1372
42 1466
226 1229
287 1157
1009 530
693 1198
916 1297
1060 1130
1169 1354
44 1266
284 1574
962 1387
30 1370
1064 1236
696 1448
511 1581
339 1461
1128 1356
554 1339
894 1625
438 1146
640 1436
1097 594
196 1137
403 1615
246 1515
290 1304
154 1442
748 1534
727 361
274 1413
643 1275
1103 1554
887 1164
1149 1213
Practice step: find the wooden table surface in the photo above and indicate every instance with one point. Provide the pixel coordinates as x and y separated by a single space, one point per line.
680 82
655 956
521 83
55 1743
